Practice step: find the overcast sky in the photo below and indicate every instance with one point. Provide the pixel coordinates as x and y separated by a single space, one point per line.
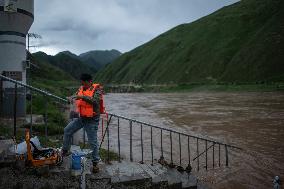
80 26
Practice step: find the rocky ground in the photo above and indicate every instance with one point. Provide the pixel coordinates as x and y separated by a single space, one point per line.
28 178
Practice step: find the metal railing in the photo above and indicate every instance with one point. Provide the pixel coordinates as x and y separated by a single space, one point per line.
158 144
18 84
192 147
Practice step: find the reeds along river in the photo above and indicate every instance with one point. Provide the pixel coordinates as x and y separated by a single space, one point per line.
252 121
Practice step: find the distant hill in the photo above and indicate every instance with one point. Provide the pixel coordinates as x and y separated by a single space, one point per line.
48 77
70 54
243 42
45 70
60 73
98 58
67 62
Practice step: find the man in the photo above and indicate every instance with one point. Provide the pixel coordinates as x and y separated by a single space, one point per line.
88 108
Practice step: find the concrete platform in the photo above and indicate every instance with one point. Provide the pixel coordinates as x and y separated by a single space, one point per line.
134 175
156 176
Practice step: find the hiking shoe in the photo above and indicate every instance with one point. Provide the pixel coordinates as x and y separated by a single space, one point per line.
96 168
65 153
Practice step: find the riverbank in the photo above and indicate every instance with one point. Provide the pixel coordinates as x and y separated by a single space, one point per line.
195 87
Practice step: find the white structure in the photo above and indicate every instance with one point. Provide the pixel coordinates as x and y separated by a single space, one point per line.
16 18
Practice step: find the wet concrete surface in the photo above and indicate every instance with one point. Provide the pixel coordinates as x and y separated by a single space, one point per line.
252 121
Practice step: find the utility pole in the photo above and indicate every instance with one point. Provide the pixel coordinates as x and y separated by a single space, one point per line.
32 35
36 36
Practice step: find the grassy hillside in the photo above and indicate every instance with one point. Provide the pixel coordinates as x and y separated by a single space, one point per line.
49 77
241 43
98 58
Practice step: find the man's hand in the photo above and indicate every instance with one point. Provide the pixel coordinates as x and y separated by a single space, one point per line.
71 98
79 97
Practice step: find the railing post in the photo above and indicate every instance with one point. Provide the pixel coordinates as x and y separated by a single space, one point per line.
118 138
171 141
45 118
188 168
108 154
188 150
152 153
102 122
227 155
142 149
1 97
213 154
179 149
31 112
15 109
197 151
162 152
206 154
219 154
162 159
108 122
179 168
131 157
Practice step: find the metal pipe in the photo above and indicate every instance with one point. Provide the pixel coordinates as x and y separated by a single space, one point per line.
197 152
33 88
188 150
108 154
15 109
118 138
213 155
202 152
152 153
219 146
1 97
162 152
108 122
131 157
206 158
171 147
179 149
31 112
227 156
142 150
102 123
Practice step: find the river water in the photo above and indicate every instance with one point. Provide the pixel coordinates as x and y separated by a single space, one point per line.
249 120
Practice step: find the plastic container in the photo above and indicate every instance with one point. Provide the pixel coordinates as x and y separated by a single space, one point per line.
76 161
22 147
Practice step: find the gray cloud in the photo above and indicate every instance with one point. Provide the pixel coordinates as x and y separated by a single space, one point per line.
80 26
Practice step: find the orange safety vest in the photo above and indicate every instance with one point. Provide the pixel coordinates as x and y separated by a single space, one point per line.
84 108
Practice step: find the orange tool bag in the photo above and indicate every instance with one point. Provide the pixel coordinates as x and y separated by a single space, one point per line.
40 157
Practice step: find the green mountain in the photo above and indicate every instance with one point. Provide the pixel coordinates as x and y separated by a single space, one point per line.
98 58
67 62
49 77
70 54
243 42
44 70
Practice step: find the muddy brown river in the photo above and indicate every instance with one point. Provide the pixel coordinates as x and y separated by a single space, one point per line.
251 121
